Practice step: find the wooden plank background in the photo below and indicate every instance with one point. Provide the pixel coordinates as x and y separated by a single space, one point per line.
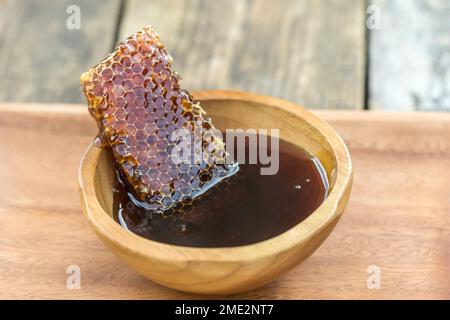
40 58
310 52
410 56
318 53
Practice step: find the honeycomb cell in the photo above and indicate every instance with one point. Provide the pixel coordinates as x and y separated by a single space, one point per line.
136 99
118 80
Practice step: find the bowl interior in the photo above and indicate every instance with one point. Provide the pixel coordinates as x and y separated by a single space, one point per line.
243 114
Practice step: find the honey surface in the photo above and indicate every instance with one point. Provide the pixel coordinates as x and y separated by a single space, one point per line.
246 208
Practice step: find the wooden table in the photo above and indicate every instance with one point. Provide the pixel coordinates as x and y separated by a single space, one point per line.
398 217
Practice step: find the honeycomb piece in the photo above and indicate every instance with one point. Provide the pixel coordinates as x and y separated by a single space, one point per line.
136 100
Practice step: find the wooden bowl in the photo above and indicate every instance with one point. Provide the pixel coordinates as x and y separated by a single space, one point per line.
234 269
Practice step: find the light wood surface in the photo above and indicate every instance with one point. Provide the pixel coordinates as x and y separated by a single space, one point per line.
309 52
409 56
398 217
237 269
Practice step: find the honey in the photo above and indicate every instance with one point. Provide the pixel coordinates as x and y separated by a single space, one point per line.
245 208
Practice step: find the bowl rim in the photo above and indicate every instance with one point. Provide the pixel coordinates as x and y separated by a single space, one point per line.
303 232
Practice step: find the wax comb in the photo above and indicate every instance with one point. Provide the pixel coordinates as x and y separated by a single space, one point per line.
136 99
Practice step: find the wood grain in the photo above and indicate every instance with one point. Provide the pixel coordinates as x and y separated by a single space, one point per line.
398 217
40 58
309 52
409 56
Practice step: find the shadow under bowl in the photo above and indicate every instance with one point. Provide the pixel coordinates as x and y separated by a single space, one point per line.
234 269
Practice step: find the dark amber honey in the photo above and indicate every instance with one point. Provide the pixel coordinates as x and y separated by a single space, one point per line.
243 209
